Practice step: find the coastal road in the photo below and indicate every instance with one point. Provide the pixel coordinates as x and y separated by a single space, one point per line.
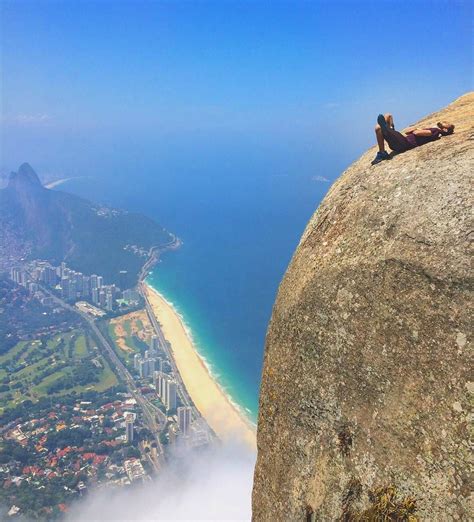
184 396
152 260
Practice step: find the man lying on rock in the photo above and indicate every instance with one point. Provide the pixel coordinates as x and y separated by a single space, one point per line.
385 132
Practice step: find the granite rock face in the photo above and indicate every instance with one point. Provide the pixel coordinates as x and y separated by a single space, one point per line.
367 381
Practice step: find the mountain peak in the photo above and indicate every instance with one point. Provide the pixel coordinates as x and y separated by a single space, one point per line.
25 176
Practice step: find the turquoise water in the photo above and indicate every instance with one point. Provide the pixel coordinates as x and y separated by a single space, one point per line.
239 232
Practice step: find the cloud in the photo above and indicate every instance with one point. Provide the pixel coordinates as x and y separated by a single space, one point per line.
320 179
25 119
215 484
32 118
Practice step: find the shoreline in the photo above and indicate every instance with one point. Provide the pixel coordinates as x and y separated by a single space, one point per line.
220 412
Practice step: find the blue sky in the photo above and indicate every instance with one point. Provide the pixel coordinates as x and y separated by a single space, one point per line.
296 83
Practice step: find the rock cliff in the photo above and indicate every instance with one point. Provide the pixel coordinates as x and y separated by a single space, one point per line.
367 379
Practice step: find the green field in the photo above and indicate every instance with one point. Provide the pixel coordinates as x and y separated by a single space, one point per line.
63 364
80 347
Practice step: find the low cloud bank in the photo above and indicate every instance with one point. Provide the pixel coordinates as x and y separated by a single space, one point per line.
213 485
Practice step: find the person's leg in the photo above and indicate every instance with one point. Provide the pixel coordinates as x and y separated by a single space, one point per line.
378 131
382 154
385 132
396 140
389 120
380 140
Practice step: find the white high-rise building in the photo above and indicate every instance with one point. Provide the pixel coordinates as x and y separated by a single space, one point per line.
160 380
109 302
156 376
95 295
144 368
136 361
169 399
158 364
151 366
129 420
166 389
154 343
184 419
94 284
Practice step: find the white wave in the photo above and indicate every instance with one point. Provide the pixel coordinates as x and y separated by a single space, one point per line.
242 410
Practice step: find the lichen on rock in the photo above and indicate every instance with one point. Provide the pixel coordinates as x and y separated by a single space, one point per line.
367 375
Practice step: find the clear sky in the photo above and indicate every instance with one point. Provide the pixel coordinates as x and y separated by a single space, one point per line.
83 81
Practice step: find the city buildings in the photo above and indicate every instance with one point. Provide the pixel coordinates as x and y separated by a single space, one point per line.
159 380
184 419
131 296
134 469
143 368
69 284
136 361
123 274
169 394
154 343
109 303
166 390
147 364
129 421
158 364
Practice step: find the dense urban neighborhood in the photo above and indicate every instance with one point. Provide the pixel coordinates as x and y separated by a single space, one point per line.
89 395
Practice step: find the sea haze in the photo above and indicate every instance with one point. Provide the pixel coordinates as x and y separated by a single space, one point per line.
239 224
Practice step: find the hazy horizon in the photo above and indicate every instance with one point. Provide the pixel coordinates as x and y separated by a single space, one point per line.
95 87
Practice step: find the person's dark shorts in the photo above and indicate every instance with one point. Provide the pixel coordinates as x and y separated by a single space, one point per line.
397 141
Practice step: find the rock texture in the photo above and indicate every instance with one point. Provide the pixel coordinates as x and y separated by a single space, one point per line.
367 380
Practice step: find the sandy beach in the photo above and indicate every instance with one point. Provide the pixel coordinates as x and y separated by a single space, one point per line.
224 418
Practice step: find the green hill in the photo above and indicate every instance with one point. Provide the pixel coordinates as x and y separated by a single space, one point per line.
57 226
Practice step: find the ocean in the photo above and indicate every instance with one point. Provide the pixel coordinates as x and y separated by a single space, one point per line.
239 232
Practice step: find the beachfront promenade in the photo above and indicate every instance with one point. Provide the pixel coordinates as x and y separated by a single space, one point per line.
142 287
185 398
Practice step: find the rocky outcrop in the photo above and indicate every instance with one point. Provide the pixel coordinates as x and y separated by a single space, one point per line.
367 380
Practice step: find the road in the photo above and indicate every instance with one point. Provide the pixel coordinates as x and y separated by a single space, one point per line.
152 260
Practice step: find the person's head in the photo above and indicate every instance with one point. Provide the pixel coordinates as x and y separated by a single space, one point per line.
445 127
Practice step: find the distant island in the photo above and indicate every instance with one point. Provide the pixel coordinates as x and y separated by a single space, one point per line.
38 223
